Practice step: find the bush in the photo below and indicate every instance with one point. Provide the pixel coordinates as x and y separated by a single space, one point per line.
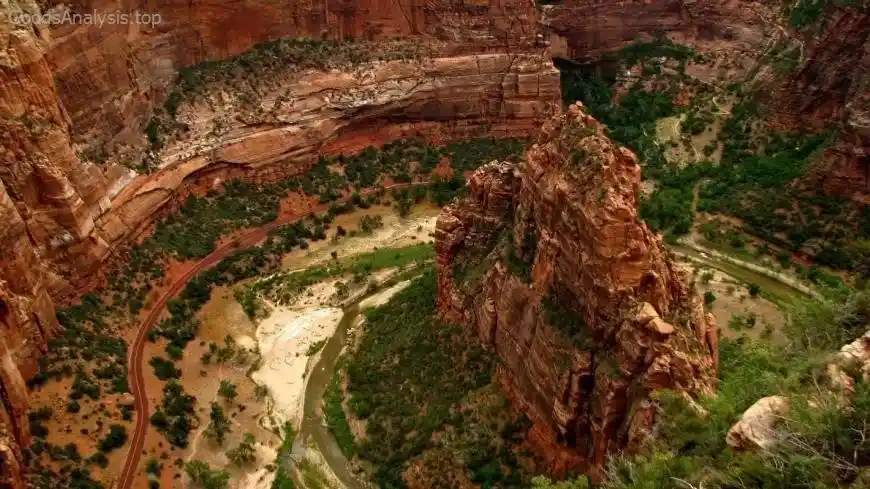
709 298
153 467
164 369
227 390
116 438
243 454
219 424
202 475
754 290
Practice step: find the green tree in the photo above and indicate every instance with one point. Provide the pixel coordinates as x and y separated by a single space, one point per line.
227 390
116 438
219 424
709 298
244 453
153 467
754 290
203 476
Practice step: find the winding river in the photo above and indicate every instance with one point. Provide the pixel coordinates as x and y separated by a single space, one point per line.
313 426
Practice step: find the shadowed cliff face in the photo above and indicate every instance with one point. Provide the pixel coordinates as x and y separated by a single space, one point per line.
831 89
548 262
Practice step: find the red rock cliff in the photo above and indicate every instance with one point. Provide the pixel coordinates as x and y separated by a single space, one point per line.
550 264
67 88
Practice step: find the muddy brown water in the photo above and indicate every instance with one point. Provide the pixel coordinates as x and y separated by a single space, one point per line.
313 426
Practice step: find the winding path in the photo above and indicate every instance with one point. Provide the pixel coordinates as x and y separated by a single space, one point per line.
134 359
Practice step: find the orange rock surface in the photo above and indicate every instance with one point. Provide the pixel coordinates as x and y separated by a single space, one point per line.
563 227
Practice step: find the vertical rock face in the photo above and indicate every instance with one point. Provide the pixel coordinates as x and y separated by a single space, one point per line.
831 88
549 263
26 320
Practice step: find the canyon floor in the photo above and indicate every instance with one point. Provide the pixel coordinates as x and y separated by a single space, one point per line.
281 347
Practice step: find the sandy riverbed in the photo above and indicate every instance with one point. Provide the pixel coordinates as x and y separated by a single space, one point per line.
284 339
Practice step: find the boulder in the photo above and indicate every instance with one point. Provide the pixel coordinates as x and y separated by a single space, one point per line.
755 430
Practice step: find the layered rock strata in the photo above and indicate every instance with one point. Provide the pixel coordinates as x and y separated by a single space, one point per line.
68 88
549 263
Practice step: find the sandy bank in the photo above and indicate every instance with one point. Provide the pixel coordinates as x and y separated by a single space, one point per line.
284 338
382 297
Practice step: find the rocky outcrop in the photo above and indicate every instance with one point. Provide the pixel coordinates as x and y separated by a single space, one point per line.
549 264
755 430
854 358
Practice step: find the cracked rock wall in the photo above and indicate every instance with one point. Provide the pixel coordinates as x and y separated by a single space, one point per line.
562 228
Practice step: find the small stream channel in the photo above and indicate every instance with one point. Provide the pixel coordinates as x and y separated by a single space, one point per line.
313 426
780 292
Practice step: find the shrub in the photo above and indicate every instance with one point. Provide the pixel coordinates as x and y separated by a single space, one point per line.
227 390
243 454
219 424
164 369
709 298
202 475
754 290
116 438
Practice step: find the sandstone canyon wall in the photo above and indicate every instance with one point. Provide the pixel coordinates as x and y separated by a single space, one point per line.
827 89
550 265
66 89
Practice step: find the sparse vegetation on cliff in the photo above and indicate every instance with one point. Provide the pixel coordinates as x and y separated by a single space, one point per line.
255 73
821 443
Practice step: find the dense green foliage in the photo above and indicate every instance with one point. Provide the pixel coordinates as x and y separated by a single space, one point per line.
283 286
164 369
115 438
336 420
174 417
406 360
